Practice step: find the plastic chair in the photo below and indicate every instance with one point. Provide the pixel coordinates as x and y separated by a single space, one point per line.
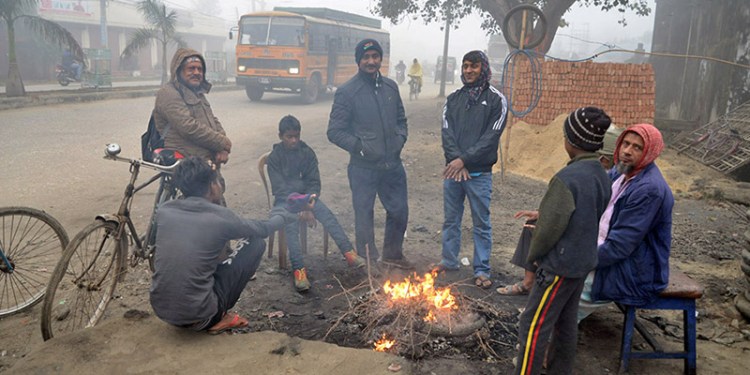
282 247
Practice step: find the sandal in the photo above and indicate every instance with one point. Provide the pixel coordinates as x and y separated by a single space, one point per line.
516 289
228 322
483 282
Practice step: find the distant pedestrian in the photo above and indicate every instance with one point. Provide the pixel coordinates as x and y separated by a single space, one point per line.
368 121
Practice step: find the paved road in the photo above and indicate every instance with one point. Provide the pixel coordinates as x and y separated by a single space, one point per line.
51 154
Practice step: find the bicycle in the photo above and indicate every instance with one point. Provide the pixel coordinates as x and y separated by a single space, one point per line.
84 280
31 243
413 88
715 144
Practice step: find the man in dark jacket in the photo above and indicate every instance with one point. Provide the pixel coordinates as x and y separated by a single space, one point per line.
473 120
635 232
563 246
293 168
368 121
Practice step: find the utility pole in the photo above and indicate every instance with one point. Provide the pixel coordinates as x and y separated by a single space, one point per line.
103 23
443 69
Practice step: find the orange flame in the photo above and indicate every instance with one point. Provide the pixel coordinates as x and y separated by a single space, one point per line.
421 290
384 344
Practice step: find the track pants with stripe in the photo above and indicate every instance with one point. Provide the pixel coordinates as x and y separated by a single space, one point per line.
551 310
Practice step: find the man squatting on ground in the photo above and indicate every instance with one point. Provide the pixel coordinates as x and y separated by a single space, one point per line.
563 246
368 121
473 120
293 168
184 117
194 282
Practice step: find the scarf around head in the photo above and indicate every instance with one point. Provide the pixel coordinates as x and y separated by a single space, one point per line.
653 145
475 88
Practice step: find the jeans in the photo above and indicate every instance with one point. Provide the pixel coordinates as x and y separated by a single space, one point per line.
326 218
479 190
78 69
390 186
233 274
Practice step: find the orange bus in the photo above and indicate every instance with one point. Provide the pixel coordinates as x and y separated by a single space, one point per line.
301 50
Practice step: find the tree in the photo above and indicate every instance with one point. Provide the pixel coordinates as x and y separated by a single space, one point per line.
494 11
14 10
163 29
207 7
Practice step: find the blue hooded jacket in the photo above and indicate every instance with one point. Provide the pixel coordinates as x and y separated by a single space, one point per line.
633 263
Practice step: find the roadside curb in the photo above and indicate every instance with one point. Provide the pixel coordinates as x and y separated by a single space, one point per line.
43 98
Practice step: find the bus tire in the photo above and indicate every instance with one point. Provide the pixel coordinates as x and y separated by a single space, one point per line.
311 90
254 92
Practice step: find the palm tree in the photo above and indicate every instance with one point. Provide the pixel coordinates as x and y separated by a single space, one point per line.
163 28
14 10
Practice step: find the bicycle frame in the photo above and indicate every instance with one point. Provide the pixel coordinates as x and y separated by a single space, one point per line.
122 217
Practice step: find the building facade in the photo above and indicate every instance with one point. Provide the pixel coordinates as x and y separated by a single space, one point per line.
83 19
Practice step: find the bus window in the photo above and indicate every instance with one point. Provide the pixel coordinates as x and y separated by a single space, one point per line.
276 31
254 30
287 31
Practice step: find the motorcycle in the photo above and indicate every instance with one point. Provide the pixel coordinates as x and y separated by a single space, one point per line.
65 76
400 76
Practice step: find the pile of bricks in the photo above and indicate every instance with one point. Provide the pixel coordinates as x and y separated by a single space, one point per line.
625 91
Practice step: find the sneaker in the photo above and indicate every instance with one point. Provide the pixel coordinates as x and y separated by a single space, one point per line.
354 260
300 280
402 263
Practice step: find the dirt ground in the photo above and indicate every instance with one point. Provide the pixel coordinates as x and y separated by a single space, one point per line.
707 243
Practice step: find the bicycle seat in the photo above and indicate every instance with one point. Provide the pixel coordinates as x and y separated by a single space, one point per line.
167 156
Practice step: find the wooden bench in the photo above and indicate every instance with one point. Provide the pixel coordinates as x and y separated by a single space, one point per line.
680 294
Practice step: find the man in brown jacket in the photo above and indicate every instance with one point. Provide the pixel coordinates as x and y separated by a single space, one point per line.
183 115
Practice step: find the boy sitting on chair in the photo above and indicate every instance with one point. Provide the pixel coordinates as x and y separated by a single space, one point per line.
293 168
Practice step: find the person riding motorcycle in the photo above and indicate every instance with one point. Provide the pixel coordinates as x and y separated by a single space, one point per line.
415 72
400 70
71 65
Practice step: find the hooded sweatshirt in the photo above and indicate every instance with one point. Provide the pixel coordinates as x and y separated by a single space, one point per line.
183 116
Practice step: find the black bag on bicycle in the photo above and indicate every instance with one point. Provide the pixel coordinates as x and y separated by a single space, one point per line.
151 140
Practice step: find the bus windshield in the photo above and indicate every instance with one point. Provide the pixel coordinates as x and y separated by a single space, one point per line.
272 31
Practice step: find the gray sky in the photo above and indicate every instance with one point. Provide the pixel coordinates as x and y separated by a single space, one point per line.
412 38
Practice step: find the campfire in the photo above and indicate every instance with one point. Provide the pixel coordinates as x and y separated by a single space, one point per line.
415 318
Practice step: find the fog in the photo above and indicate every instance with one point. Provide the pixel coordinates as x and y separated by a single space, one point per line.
589 31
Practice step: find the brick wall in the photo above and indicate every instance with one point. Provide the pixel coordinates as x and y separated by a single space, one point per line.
625 91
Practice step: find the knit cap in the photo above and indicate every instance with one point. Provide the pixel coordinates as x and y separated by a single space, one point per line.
364 46
585 128
610 140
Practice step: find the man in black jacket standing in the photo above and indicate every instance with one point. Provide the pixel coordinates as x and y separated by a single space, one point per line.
473 120
368 120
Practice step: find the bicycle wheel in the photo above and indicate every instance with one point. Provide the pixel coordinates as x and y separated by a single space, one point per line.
32 242
719 151
84 280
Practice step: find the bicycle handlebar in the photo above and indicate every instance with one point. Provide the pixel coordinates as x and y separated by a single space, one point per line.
113 149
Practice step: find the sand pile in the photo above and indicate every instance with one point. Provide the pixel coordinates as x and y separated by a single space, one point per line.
537 152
